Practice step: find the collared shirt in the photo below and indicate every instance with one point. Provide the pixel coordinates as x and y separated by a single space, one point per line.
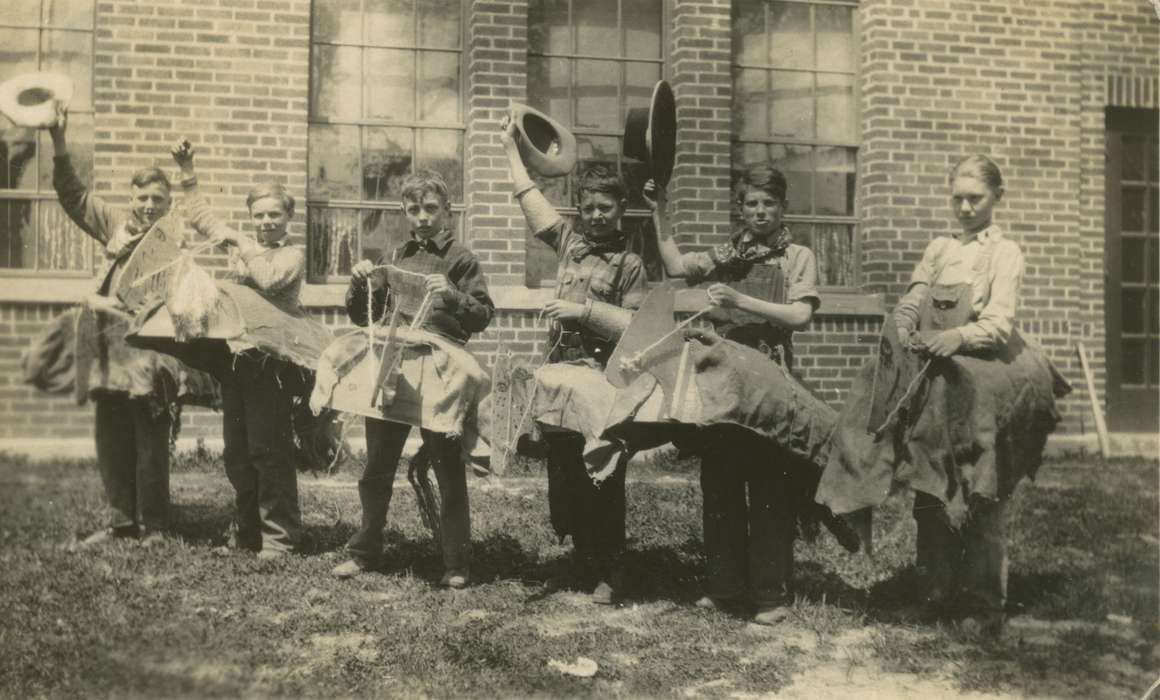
468 309
990 263
276 271
596 270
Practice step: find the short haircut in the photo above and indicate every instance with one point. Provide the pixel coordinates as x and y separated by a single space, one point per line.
765 178
147 176
980 167
273 189
422 182
602 179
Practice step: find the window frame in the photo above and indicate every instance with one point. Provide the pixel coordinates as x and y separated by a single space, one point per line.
39 196
768 140
458 209
635 215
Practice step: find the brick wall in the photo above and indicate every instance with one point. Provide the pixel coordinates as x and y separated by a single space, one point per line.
944 79
1026 82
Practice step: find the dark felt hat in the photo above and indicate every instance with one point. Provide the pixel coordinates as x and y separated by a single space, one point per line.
545 144
651 134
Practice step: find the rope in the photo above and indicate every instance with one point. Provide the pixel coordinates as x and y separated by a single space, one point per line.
508 447
196 250
638 356
905 397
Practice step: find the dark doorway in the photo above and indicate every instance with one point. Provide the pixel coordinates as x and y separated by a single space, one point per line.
1132 230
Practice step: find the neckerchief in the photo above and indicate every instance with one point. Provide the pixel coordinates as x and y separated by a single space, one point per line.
746 249
435 244
585 246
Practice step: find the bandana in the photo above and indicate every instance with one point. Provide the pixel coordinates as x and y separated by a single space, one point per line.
746 249
585 246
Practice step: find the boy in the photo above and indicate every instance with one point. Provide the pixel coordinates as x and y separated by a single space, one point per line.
135 391
750 504
461 306
597 279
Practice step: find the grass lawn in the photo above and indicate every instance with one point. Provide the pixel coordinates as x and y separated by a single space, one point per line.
179 621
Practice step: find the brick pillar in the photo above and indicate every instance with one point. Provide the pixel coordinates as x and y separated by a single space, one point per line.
702 80
497 71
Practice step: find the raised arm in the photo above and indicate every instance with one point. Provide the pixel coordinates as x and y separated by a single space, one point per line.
541 215
197 209
86 209
658 201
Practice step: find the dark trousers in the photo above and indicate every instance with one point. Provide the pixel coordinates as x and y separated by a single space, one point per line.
749 519
259 453
385 441
133 455
965 567
593 514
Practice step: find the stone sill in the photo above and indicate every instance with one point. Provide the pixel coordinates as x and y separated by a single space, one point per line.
68 290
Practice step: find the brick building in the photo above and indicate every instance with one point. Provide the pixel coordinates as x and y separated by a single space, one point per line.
864 105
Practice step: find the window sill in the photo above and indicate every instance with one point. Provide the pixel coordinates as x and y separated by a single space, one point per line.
517 298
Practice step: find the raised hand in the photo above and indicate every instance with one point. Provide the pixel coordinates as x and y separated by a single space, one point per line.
655 197
182 154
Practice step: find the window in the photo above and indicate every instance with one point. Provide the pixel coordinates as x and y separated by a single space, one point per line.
35 234
795 66
386 96
589 62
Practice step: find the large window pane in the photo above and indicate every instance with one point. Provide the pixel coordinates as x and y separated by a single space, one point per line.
796 163
833 246
390 22
24 12
791 42
337 21
18 51
597 150
791 105
1132 361
1132 205
835 37
333 162
69 14
1133 312
71 53
438 86
551 76
18 159
836 108
750 103
749 45
1133 259
441 150
439 23
60 244
548 28
642 28
332 240
1135 157
336 82
391 84
596 30
17 234
834 181
639 81
80 150
386 161
382 230
596 95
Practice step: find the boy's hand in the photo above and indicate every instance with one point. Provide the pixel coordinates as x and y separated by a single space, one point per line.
561 310
946 343
60 124
724 296
109 305
182 154
508 132
439 284
362 270
654 196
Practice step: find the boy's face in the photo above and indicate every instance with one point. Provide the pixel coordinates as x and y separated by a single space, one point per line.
270 219
973 202
428 215
600 213
150 202
761 211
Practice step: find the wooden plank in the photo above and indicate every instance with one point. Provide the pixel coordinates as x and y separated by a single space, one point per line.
1101 427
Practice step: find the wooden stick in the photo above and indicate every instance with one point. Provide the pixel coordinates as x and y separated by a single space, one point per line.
638 356
1101 427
